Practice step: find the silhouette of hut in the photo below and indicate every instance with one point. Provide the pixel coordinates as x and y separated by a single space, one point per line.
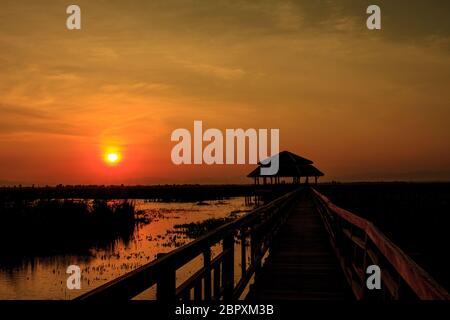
290 166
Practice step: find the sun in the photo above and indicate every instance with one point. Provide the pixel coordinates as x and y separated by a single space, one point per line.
113 158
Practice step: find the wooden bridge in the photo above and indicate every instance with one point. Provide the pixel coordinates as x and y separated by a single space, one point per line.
299 246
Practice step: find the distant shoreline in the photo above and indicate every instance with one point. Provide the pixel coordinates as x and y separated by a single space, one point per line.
173 193
184 185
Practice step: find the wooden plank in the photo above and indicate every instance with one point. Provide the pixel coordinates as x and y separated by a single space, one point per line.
207 276
198 290
166 286
420 282
301 264
228 267
216 282
243 253
135 282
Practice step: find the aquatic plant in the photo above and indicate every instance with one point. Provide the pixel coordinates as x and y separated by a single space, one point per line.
55 225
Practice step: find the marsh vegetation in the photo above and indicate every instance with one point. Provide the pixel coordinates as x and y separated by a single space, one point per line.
51 226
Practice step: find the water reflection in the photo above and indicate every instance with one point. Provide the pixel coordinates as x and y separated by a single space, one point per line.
32 274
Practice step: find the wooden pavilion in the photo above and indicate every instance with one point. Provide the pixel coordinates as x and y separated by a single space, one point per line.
290 166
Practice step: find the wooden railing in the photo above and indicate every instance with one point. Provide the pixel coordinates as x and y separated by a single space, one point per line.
243 244
358 243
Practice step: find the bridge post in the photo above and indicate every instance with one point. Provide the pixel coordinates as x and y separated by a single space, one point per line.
255 252
166 286
228 267
207 266
243 252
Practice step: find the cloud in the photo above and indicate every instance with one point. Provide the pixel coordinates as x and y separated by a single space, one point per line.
135 88
22 112
140 68
20 119
215 71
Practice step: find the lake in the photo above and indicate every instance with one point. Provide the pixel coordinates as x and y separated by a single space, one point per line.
44 277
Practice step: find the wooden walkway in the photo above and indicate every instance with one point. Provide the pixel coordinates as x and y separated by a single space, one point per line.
301 264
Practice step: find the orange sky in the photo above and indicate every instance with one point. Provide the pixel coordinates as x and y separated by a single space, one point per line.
364 105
